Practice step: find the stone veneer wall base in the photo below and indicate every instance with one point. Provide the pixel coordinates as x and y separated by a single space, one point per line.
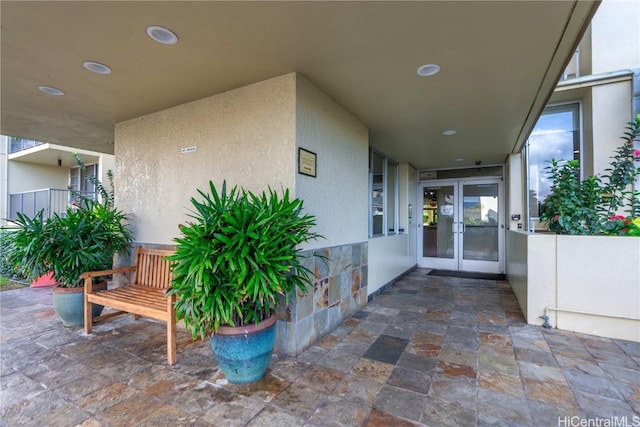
339 291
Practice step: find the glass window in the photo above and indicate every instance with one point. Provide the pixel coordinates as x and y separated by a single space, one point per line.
555 136
377 194
392 199
384 195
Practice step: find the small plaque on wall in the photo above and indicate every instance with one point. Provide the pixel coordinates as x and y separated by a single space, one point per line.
307 162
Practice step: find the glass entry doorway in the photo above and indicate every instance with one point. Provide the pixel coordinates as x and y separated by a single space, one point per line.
462 225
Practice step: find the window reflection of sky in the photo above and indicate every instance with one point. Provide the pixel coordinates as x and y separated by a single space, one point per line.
552 138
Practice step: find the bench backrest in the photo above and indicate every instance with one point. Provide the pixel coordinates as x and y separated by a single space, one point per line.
153 269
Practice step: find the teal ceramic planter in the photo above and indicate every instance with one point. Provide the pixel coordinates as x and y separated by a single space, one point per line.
244 353
68 304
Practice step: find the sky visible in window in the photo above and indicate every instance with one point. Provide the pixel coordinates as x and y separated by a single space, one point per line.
552 138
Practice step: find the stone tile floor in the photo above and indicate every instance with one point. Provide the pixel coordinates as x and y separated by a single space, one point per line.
434 351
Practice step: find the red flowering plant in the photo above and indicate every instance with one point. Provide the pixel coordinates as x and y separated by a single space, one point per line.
592 206
619 225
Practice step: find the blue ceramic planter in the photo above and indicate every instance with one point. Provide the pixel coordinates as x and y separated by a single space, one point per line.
244 353
68 304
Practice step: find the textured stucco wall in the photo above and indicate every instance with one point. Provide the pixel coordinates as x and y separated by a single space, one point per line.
338 195
246 136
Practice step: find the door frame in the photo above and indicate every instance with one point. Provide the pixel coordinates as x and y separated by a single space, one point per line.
458 263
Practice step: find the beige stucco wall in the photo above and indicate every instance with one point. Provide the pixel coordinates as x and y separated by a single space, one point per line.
615 36
338 195
611 109
32 176
106 163
246 136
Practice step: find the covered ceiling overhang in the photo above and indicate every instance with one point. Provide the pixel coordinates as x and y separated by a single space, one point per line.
499 64
55 155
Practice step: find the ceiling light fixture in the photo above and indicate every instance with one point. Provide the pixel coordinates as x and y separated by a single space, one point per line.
449 132
428 70
162 35
51 90
458 159
96 67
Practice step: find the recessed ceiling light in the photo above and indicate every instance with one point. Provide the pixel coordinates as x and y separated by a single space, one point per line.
428 70
449 132
162 34
51 90
458 159
96 67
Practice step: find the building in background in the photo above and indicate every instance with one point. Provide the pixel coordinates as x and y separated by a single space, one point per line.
40 176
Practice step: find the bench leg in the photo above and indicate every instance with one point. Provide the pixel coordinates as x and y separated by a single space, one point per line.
88 318
171 330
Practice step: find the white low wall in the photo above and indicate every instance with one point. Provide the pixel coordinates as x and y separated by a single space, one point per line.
587 284
389 257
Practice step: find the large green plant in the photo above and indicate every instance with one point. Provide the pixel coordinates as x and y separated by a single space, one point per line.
590 206
236 257
79 240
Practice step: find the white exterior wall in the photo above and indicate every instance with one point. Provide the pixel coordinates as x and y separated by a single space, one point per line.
246 136
338 195
515 186
615 36
4 179
588 284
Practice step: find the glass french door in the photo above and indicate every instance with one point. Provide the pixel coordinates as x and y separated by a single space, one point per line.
462 225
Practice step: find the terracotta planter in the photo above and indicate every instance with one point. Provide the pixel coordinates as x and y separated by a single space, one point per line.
244 352
69 304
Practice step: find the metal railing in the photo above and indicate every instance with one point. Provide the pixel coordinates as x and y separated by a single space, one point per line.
19 144
52 200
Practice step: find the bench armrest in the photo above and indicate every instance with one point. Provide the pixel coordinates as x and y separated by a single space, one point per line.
90 274
88 283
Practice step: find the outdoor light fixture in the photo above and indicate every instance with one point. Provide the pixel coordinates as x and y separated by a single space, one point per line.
51 90
162 35
428 70
449 132
96 67
59 162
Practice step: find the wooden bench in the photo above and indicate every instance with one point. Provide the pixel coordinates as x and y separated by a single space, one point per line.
144 296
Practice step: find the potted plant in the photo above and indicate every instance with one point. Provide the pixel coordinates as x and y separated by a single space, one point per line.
234 261
83 238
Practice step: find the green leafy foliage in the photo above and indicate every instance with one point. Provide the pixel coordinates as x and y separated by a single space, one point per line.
7 266
81 239
107 196
237 255
590 206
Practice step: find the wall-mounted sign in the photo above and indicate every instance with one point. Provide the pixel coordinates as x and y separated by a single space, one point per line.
186 150
446 210
307 162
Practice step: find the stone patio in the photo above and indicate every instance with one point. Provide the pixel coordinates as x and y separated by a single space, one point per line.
435 351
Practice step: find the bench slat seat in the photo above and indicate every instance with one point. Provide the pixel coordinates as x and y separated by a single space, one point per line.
145 296
134 299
